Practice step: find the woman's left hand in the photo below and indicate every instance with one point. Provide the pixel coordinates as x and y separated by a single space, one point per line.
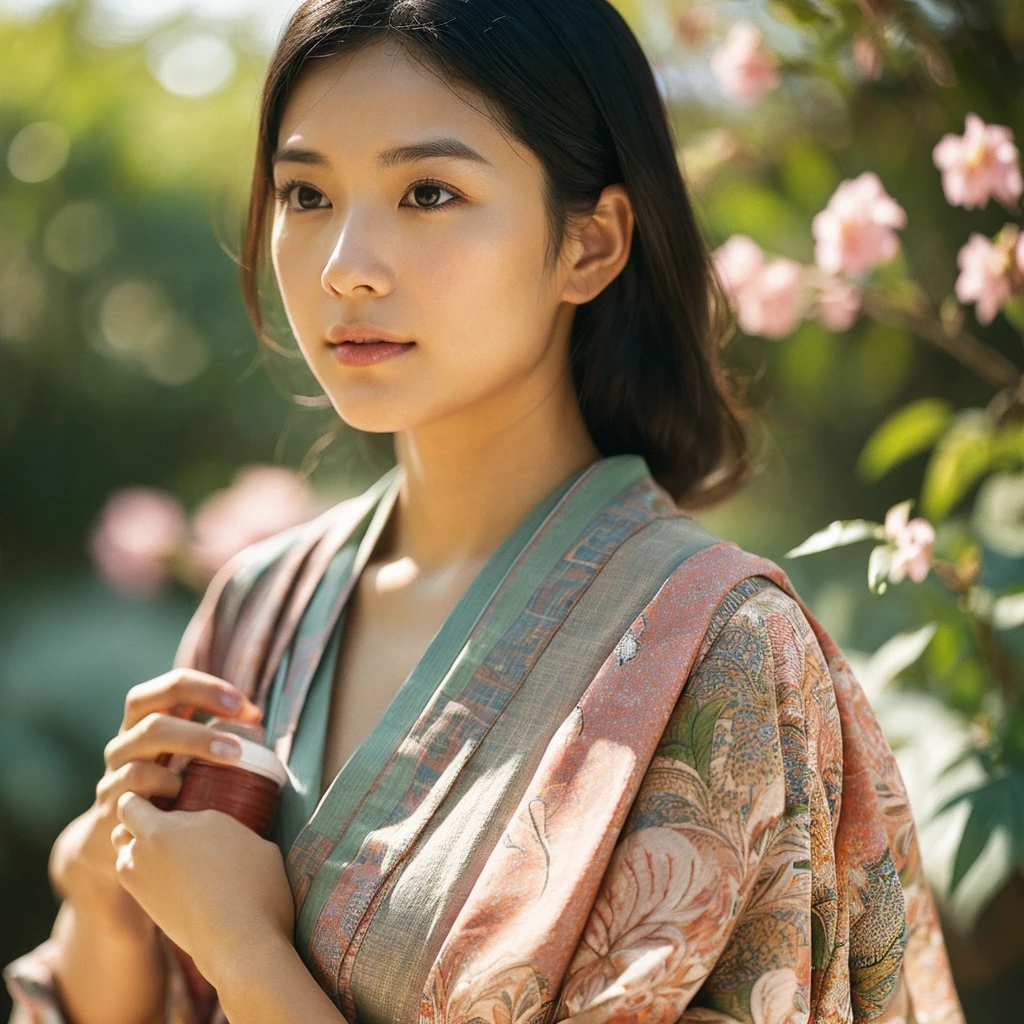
211 884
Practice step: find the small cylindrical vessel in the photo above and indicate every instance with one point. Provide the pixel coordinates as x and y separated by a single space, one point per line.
248 790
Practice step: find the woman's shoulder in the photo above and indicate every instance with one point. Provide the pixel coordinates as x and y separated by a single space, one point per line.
264 567
243 570
737 590
761 624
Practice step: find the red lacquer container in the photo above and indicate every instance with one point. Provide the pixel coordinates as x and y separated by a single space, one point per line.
248 790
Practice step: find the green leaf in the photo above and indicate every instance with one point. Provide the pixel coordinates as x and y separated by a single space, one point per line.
704 735
801 12
680 725
837 534
998 516
1008 612
997 806
879 567
820 952
900 652
1008 446
907 432
1014 312
958 461
689 736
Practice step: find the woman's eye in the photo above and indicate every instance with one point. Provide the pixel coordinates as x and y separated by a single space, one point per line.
305 195
428 192
428 195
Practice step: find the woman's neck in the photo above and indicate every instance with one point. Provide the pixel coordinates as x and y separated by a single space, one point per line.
468 485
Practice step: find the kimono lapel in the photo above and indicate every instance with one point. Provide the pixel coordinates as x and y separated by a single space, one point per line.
316 611
252 607
365 823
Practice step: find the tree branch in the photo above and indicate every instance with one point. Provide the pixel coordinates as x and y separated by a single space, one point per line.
981 359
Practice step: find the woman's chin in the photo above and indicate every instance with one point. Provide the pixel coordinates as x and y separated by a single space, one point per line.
370 419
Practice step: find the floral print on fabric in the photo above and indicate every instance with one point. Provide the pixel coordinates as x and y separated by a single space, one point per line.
721 902
751 858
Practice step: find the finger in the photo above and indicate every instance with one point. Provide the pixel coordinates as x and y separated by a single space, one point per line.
187 688
125 860
120 836
137 814
143 777
163 734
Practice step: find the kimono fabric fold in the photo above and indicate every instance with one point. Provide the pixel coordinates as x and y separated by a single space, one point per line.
631 779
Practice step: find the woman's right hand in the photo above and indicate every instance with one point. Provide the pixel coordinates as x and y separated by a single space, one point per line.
82 859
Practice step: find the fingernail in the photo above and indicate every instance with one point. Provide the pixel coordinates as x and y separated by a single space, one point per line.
225 748
232 701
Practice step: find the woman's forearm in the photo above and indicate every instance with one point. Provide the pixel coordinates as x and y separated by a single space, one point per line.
109 965
269 984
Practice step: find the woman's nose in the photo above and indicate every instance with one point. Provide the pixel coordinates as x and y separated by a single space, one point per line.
356 261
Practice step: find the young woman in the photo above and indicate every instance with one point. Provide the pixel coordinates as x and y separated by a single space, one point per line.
556 751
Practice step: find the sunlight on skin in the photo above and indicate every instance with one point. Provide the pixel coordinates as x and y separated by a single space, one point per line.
446 250
396 574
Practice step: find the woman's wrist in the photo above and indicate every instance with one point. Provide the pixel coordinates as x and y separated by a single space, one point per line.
107 905
268 983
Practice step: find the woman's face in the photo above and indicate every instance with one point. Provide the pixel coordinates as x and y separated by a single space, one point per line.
445 250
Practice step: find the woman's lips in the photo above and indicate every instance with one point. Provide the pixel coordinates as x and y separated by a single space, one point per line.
365 353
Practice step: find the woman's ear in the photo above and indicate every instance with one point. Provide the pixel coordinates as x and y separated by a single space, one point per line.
601 246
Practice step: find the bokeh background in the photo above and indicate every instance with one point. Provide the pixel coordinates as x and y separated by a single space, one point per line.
145 435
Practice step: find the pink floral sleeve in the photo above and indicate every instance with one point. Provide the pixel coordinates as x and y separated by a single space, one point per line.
733 894
32 983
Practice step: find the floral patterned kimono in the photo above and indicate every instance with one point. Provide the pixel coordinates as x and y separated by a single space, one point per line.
632 779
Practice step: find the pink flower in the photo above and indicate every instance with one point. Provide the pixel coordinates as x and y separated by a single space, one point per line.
855 230
979 164
867 57
138 530
744 66
1019 254
694 24
769 304
914 541
737 260
261 501
984 276
838 304
765 296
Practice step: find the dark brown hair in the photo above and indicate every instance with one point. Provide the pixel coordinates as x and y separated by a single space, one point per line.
570 81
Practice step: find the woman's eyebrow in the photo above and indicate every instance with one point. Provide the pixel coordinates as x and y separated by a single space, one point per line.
446 146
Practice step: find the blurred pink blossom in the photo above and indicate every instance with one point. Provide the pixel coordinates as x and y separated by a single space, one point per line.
981 163
855 231
261 501
984 276
765 296
138 530
769 303
838 303
867 57
744 67
1019 254
914 542
737 259
694 25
